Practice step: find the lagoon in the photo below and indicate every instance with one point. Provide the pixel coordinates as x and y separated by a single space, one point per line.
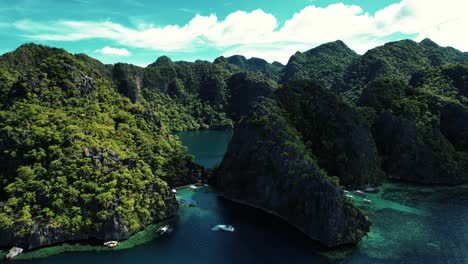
410 224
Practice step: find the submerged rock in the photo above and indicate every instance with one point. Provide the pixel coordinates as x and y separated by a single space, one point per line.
268 167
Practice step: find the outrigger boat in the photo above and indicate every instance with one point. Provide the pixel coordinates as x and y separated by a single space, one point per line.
111 244
165 229
228 228
15 251
360 193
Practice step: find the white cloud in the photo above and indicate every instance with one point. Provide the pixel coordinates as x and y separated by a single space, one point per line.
443 21
259 34
242 28
317 25
114 51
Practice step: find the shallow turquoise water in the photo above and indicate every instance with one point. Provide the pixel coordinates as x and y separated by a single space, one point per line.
411 224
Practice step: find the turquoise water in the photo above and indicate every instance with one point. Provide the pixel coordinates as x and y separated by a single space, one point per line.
208 146
411 225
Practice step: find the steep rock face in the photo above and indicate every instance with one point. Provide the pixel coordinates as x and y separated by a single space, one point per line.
414 153
458 74
268 167
244 89
129 80
325 64
454 125
45 234
415 130
334 131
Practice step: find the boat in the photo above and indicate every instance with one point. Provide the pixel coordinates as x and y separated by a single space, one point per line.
165 229
186 202
349 196
360 193
111 244
193 187
367 201
228 228
15 251
199 183
345 191
371 190
174 191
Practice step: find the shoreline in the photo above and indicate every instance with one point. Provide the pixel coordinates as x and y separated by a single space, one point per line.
143 236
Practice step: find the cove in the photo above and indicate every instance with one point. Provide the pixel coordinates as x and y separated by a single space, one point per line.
410 224
207 146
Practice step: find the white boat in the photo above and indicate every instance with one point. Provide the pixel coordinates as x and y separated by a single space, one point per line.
174 191
15 251
165 229
228 228
350 196
360 193
367 201
111 244
193 187
371 190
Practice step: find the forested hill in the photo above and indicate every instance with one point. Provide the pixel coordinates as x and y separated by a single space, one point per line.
86 149
192 95
77 159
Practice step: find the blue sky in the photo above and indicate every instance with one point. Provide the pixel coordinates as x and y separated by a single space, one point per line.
139 31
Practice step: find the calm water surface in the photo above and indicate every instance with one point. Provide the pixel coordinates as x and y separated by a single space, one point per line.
208 146
411 224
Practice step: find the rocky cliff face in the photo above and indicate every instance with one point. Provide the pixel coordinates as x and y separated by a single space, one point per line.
326 64
244 89
42 235
267 166
418 133
336 133
414 153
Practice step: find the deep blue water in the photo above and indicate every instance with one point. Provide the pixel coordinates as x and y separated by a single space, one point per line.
411 225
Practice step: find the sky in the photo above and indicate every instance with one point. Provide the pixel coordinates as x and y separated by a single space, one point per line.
139 31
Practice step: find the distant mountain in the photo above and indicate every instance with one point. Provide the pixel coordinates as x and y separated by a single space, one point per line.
253 64
326 64
398 59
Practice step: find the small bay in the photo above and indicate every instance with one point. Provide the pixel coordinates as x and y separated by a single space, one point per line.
410 224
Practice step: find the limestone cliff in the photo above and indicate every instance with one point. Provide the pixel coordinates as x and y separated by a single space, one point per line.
267 166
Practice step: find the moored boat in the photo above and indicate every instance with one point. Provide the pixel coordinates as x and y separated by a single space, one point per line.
111 244
360 193
228 228
371 190
15 251
165 229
